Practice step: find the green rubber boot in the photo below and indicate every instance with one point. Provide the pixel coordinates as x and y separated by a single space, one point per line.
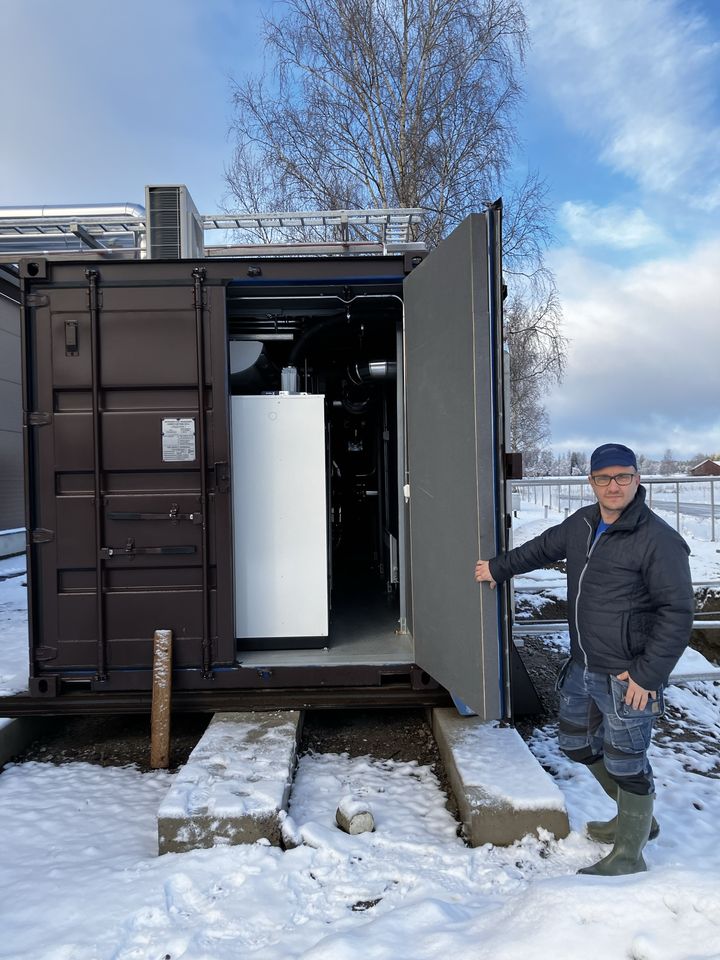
603 831
633 829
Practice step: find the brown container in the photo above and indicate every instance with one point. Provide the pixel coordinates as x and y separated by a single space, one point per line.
127 391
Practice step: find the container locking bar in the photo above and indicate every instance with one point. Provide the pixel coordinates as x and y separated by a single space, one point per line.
199 277
93 295
173 516
130 551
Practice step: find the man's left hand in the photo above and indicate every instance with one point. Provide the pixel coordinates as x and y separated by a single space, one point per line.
636 696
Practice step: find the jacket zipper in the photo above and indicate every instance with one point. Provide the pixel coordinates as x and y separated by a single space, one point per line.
590 548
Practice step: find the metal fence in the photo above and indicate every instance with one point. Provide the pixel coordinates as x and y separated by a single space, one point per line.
680 500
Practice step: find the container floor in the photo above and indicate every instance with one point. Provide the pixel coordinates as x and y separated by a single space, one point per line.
363 630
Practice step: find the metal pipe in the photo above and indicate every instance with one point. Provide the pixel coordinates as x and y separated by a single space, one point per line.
375 370
73 211
59 250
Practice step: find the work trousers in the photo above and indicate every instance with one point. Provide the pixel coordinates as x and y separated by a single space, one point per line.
596 725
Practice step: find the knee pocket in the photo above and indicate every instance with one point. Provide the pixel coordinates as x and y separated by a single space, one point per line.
628 736
625 762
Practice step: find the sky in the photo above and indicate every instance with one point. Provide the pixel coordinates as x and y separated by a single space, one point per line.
621 118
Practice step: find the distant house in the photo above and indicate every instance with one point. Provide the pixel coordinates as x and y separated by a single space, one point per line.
707 468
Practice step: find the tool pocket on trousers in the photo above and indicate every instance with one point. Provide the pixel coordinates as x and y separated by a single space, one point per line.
655 707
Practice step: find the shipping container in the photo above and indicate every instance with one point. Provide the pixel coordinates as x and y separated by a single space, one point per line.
290 461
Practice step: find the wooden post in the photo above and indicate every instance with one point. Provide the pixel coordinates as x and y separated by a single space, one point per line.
161 690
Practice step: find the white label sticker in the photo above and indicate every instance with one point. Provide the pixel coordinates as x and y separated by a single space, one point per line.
178 439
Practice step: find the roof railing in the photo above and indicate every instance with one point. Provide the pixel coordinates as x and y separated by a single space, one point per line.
119 230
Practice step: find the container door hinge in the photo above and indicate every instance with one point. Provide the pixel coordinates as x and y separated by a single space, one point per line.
39 418
40 535
37 300
222 477
45 653
513 466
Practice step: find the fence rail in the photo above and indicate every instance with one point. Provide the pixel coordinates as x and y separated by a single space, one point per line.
700 499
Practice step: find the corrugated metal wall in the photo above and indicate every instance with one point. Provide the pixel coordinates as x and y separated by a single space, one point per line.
12 514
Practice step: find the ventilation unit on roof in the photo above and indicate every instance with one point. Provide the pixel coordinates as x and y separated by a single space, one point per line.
174 227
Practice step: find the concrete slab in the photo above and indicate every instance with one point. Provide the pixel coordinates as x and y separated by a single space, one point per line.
16 733
691 666
502 791
235 784
12 542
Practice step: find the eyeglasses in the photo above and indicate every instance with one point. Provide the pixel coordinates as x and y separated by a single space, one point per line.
621 479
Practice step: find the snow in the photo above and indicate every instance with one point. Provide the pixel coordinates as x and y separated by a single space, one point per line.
353 806
238 769
495 758
13 627
693 666
80 878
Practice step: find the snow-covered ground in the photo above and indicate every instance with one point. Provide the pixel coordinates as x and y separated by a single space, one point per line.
13 627
80 878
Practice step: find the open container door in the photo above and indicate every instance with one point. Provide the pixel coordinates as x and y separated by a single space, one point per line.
453 369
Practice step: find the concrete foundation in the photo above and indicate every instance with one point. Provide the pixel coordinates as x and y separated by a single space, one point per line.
235 784
17 733
12 542
502 791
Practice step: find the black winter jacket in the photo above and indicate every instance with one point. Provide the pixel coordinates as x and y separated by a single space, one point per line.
630 596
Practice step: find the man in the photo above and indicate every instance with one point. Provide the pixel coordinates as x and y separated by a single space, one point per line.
630 612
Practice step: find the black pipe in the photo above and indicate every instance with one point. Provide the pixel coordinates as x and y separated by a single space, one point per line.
299 348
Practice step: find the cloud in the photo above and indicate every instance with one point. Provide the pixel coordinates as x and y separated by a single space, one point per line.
611 226
640 77
644 352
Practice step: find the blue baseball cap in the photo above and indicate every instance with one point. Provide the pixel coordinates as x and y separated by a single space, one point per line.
612 455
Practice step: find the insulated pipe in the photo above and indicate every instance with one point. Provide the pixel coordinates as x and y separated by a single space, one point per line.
360 373
73 211
53 227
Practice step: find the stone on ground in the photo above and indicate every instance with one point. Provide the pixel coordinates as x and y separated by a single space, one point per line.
355 816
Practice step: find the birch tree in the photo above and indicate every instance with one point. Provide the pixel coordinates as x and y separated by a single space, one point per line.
404 103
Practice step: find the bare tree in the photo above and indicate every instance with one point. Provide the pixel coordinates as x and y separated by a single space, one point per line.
537 358
405 103
668 465
381 103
